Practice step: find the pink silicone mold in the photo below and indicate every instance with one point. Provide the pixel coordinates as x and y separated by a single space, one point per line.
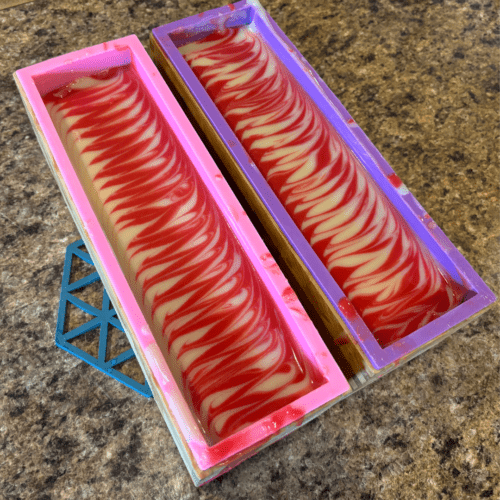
203 461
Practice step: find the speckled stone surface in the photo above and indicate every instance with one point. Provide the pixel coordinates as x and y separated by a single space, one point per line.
421 77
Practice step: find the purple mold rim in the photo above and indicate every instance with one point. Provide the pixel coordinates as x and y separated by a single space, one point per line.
249 12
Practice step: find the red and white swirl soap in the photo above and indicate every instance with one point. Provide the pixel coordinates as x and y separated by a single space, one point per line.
226 342
381 265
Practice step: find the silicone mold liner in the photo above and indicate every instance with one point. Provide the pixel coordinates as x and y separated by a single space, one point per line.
164 44
203 461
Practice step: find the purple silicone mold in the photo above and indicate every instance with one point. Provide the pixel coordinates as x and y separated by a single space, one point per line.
173 35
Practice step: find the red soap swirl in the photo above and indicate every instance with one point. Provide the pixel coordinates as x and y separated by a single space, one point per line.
381 265
227 344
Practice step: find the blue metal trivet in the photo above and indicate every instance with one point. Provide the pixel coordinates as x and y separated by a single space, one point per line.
102 319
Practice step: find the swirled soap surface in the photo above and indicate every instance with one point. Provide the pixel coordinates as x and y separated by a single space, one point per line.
226 342
369 249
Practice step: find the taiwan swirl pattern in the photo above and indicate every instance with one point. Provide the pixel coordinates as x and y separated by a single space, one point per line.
224 339
380 264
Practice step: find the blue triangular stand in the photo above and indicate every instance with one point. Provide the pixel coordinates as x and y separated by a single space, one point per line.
102 318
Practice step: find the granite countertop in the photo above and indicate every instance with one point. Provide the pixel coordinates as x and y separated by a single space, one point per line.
421 78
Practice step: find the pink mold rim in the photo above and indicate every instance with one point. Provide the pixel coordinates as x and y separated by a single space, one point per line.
48 75
172 35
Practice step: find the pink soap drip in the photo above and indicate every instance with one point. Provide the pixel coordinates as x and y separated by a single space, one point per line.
228 345
382 267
